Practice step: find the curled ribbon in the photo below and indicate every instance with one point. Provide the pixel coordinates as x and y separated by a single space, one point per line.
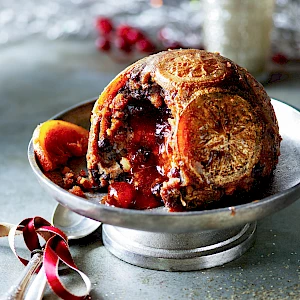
56 249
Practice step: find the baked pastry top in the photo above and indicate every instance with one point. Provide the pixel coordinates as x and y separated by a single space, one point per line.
182 128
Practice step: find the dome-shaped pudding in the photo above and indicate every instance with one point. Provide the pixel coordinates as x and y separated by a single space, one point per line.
182 128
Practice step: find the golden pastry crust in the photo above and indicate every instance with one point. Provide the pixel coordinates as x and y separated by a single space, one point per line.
216 130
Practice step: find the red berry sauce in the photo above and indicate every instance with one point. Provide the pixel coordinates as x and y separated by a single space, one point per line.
140 190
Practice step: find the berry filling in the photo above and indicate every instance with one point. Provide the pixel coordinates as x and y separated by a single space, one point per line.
142 161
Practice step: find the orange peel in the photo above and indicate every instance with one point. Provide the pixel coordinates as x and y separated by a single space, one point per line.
55 141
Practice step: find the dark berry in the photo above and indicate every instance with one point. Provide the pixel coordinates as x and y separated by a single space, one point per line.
144 154
280 59
96 176
141 156
155 189
175 173
104 145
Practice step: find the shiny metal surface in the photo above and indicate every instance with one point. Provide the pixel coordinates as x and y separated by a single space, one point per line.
18 289
73 225
283 190
179 252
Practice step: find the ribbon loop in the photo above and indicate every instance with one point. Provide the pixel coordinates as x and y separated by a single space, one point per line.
56 250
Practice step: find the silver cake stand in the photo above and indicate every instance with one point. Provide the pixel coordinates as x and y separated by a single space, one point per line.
183 241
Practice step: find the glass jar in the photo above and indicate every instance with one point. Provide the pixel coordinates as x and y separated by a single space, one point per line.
240 30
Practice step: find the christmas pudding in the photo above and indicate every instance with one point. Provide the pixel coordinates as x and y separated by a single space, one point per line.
181 128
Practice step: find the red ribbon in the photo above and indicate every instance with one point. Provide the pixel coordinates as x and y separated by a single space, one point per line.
56 249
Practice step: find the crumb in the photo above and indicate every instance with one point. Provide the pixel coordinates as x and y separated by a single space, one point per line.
84 182
76 190
69 180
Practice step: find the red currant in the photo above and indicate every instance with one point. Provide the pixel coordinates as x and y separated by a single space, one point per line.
134 35
103 44
145 45
104 25
122 44
122 30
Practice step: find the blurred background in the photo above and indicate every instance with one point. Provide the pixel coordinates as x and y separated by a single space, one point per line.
57 53
164 24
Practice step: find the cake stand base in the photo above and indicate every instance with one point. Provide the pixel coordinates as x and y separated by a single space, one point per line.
179 252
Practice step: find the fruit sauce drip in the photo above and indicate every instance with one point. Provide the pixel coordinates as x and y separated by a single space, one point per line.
139 187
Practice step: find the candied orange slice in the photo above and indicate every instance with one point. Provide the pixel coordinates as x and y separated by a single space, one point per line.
218 136
55 141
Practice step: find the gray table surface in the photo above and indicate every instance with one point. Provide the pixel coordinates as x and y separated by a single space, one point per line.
39 79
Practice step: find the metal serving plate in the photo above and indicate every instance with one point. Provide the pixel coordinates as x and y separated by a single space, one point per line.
283 189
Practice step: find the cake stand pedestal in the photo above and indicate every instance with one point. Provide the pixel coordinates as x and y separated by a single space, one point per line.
179 252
